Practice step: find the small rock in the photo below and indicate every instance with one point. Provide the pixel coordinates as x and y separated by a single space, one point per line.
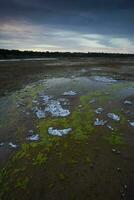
40 114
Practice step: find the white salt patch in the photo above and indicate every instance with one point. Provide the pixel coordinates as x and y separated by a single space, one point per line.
13 145
59 132
131 123
104 79
33 137
69 93
99 110
56 109
113 116
128 102
99 122
40 114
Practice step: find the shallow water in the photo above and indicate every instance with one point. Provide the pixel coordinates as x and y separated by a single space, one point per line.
69 100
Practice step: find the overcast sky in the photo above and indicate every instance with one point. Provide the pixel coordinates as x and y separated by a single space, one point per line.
67 25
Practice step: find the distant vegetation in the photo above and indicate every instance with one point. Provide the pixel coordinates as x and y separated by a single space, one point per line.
12 54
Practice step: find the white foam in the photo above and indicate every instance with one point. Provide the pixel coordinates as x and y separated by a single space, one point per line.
56 109
33 137
46 98
99 122
113 116
59 132
40 114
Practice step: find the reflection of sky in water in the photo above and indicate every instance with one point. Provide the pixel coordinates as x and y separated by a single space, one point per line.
10 115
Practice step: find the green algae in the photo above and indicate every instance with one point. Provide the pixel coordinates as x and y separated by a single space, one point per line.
22 183
40 159
115 139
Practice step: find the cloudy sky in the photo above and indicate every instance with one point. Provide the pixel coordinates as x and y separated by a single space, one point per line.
67 25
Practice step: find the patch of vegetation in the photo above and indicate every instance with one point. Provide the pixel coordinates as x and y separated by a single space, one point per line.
22 183
115 139
40 159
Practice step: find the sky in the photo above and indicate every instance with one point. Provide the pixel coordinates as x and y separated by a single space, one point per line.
67 25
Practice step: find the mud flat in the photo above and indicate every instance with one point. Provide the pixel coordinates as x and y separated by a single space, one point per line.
67 129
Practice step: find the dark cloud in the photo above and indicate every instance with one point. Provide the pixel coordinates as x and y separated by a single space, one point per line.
106 17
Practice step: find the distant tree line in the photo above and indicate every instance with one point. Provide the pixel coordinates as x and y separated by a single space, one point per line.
12 54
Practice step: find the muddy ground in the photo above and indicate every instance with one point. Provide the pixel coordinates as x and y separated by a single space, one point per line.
67 129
